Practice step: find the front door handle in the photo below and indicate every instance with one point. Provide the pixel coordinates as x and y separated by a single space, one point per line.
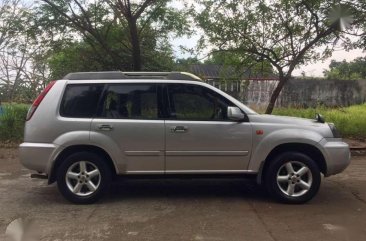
105 127
179 129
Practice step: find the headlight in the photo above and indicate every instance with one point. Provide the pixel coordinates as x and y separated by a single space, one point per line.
336 133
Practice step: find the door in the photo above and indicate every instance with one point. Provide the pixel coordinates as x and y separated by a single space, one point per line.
129 120
199 136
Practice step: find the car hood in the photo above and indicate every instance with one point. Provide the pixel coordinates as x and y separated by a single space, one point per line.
285 120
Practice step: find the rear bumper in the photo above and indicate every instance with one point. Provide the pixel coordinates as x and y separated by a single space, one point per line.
36 156
338 155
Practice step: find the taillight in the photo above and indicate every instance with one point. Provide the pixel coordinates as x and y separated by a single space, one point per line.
38 100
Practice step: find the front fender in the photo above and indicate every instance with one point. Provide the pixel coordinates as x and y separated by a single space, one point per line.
284 136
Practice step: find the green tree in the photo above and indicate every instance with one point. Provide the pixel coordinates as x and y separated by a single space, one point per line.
183 64
224 58
358 14
355 69
241 63
73 56
285 33
118 30
188 61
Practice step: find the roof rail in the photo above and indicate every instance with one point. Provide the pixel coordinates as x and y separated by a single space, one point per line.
131 75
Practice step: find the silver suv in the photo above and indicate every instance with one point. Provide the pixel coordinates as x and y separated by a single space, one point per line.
85 129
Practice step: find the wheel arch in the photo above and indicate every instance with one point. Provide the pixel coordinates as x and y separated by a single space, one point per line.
79 148
307 149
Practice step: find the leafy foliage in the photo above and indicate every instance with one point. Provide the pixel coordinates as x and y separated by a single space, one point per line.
359 20
125 35
12 122
349 121
234 59
81 56
354 70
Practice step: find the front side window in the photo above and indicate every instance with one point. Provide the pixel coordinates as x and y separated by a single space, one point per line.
130 101
80 100
194 102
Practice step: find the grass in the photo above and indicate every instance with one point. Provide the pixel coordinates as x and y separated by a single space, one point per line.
12 122
350 121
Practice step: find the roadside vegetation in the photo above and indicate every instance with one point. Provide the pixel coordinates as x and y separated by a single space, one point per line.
12 123
350 121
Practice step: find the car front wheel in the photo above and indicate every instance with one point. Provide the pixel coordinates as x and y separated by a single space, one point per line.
83 177
293 177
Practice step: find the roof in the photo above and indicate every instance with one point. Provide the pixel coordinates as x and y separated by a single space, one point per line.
131 75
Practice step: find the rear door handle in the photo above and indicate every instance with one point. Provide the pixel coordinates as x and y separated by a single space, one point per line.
179 129
105 127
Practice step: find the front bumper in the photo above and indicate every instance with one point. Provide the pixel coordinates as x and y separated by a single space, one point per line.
36 156
337 155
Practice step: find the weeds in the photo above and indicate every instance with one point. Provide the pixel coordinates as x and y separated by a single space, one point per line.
12 122
350 121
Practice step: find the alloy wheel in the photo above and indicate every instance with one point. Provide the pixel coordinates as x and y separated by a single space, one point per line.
294 178
83 178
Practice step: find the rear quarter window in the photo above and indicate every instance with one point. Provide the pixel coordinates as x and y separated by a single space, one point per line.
80 100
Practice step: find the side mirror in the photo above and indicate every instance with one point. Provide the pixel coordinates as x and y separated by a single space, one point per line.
235 114
319 118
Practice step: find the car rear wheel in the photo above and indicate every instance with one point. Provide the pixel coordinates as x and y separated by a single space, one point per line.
293 177
83 177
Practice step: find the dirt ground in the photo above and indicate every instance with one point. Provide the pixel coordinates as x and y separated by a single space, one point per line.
186 209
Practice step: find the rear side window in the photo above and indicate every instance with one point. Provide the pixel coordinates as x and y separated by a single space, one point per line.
130 101
81 101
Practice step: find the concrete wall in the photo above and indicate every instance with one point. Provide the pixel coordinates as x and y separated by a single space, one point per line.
305 93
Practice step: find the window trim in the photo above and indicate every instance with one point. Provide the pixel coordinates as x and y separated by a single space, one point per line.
160 106
168 104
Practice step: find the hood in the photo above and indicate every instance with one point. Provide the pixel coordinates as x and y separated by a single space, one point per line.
285 120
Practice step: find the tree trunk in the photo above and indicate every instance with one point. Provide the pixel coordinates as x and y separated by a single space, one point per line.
135 42
275 94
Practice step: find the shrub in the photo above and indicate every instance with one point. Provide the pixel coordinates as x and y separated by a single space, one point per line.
12 122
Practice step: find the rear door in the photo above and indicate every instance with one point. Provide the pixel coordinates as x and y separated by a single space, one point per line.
129 116
199 136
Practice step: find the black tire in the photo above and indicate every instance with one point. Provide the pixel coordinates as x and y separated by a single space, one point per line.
277 165
92 160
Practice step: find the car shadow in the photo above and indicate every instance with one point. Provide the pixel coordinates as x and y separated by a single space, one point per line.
185 189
